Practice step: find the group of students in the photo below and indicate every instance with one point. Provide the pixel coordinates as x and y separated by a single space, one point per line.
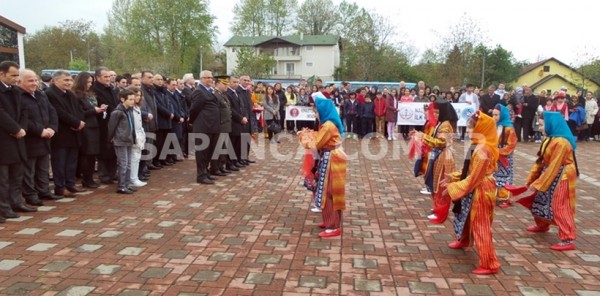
486 177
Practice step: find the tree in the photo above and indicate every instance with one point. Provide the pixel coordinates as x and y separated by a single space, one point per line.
263 17
317 17
160 35
78 64
249 63
54 47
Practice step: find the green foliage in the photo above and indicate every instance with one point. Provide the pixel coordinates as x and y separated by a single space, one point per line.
154 34
52 47
317 17
78 64
264 17
248 63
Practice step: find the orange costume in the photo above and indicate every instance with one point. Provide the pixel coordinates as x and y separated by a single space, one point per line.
553 176
474 194
331 170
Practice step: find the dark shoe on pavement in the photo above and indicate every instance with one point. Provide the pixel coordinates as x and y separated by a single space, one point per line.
225 171
205 181
51 197
9 215
218 173
75 189
250 161
132 188
91 185
24 208
232 168
124 191
34 201
144 178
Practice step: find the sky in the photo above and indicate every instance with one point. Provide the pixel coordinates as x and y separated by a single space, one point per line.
531 29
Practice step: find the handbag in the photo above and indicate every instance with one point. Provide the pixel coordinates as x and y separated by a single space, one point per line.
274 126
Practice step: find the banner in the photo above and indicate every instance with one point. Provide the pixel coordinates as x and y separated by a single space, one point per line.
414 113
301 113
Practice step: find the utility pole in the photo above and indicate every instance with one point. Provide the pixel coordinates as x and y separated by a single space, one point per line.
483 70
201 58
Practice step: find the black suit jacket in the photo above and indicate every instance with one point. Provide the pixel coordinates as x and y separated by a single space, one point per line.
70 114
247 100
204 112
41 115
13 118
237 112
487 102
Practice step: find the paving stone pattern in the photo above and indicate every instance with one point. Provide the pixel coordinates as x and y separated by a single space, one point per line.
253 234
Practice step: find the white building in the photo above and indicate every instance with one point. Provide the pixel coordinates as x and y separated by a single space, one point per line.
11 42
297 56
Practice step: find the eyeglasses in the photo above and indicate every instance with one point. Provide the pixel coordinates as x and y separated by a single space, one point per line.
207 77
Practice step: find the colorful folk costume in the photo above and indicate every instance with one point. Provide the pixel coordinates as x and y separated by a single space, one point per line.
441 159
553 176
418 151
507 141
473 191
331 169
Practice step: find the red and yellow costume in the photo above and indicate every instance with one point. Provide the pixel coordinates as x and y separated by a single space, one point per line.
475 195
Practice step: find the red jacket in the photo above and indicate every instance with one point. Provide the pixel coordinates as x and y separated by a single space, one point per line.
380 106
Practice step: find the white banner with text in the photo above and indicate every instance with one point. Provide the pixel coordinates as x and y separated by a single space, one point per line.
414 113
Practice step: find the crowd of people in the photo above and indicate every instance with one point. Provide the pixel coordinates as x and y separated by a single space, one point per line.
128 125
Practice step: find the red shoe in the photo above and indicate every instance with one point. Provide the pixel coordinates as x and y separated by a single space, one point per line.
457 245
505 205
336 232
484 271
563 247
535 228
322 225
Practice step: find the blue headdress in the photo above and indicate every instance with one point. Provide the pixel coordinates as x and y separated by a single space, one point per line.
327 111
504 116
556 126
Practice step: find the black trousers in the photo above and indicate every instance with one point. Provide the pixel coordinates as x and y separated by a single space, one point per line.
36 181
161 136
236 144
11 177
518 125
64 167
527 128
205 155
87 164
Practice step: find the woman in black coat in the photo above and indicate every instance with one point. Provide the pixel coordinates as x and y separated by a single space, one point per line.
90 147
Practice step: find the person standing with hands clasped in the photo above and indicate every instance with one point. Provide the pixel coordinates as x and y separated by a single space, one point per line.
121 132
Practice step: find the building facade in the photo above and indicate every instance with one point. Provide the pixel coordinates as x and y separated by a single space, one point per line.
551 74
296 56
11 42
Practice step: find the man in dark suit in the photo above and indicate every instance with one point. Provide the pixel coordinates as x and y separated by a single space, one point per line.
239 121
41 127
67 140
205 118
251 128
488 101
13 122
151 122
165 117
106 95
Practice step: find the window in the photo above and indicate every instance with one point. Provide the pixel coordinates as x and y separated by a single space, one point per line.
546 68
289 69
309 64
309 47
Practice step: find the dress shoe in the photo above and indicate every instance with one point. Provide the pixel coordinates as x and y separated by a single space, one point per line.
158 165
75 189
91 185
34 201
484 271
457 245
124 191
107 181
225 171
64 192
206 181
232 168
535 228
563 246
166 163
24 208
218 173
330 232
153 167
132 188
144 178
237 165
10 215
51 197
211 178
242 163
250 161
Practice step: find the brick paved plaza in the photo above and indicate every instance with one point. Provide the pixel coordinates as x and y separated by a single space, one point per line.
253 234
